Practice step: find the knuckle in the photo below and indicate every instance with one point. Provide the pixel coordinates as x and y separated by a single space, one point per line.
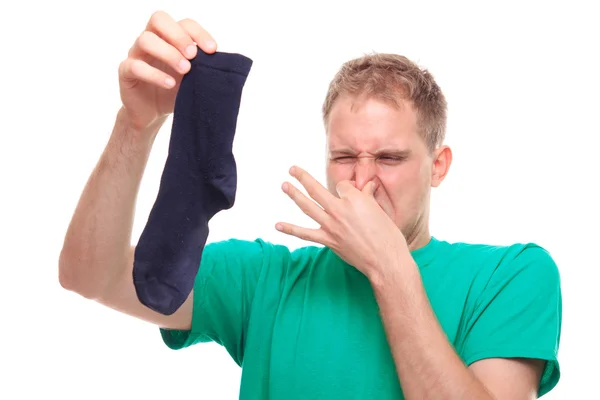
191 27
122 67
334 231
126 66
184 35
144 40
186 22
335 211
134 68
155 18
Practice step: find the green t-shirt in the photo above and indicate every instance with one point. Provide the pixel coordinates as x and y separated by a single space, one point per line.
304 324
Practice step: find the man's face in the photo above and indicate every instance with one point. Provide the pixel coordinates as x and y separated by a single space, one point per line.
373 141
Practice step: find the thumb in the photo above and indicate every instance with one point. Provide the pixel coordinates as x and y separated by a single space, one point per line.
369 188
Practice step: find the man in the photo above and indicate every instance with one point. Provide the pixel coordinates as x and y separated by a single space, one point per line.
377 307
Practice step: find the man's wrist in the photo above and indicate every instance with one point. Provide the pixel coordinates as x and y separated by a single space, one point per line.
127 143
394 272
138 135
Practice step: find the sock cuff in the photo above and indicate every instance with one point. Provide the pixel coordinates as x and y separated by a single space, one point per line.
228 62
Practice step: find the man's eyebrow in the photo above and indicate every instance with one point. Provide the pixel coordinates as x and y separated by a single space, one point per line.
393 152
343 150
387 151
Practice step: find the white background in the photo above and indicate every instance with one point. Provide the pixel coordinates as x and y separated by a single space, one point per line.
522 81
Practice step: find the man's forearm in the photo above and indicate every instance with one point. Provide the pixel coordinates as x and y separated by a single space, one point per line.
427 365
99 234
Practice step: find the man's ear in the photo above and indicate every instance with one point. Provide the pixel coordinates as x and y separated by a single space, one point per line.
442 158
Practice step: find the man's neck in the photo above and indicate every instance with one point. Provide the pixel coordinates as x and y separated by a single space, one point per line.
420 238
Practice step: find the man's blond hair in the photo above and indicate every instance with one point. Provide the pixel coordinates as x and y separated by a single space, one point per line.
393 78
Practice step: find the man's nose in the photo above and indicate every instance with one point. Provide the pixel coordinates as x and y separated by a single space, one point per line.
364 172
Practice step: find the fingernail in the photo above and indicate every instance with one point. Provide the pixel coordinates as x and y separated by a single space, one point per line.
292 170
191 50
170 82
184 65
210 45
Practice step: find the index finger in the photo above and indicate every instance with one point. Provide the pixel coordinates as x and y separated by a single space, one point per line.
345 188
203 39
314 189
164 26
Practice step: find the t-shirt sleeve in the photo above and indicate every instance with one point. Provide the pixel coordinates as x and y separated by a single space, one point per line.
222 298
519 314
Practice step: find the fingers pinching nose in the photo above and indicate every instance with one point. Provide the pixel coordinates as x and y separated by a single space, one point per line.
372 187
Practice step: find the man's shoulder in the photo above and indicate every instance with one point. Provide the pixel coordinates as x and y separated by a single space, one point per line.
505 259
261 247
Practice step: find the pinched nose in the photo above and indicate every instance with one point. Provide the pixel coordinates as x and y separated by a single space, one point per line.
376 185
364 172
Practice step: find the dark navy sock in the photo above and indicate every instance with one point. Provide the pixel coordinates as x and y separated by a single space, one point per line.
199 180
